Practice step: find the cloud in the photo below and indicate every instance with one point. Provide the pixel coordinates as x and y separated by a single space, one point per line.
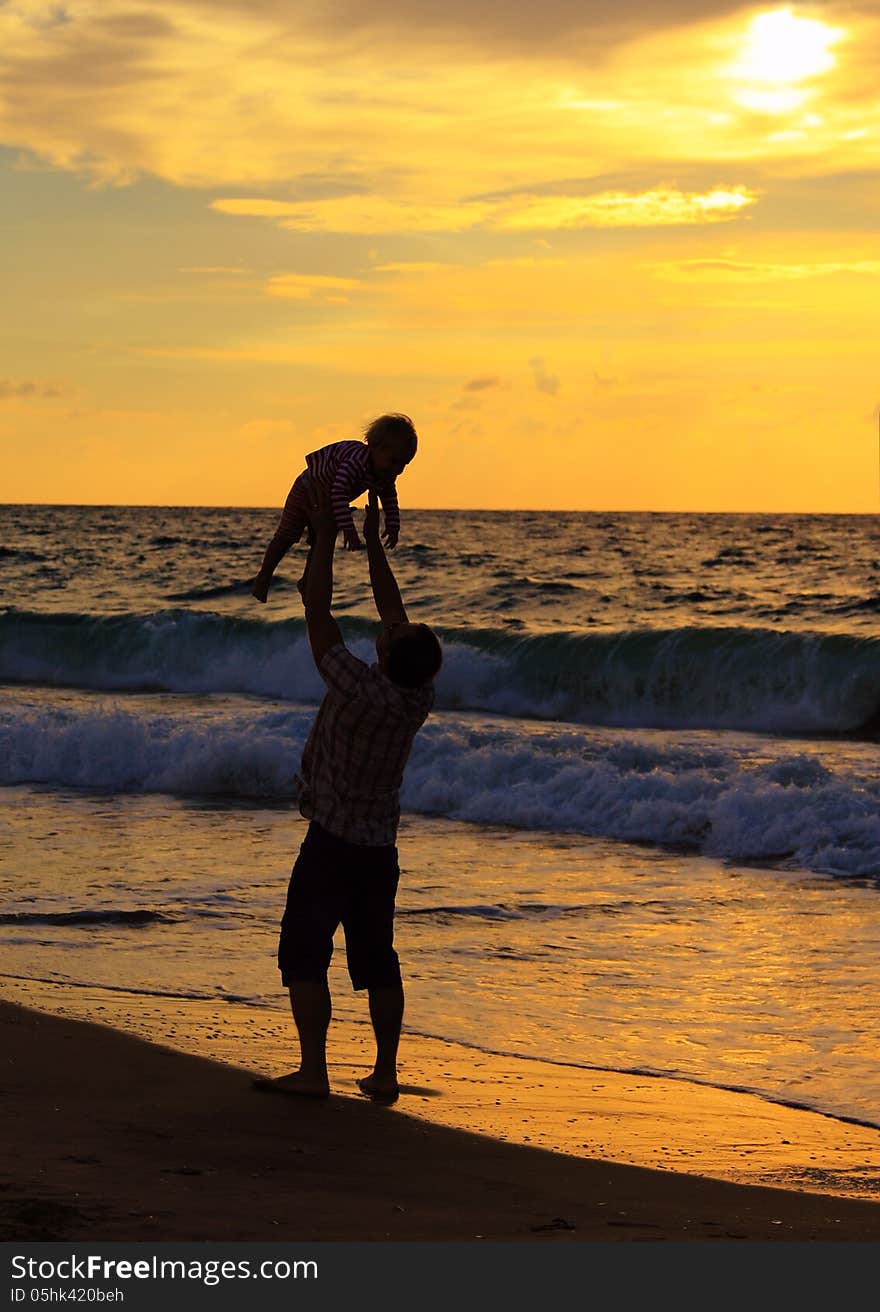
660 207
265 94
312 287
11 389
758 271
481 384
217 270
257 207
544 381
414 266
517 27
656 207
41 15
369 214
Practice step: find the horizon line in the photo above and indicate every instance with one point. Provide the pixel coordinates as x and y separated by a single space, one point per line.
443 510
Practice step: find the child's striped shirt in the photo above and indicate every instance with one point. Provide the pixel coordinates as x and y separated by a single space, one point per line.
343 468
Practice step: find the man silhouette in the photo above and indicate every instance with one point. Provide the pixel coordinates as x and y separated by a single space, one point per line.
349 784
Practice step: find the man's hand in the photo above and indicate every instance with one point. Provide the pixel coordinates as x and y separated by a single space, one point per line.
371 523
385 590
316 584
321 516
371 517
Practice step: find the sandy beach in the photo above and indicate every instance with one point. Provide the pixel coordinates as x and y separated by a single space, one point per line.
158 1134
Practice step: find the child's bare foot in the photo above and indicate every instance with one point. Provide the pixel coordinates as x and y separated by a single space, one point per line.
260 588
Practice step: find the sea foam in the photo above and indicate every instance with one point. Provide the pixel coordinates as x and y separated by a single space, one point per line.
728 801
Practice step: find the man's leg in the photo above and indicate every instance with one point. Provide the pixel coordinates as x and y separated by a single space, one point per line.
311 1007
386 1013
310 1004
304 950
368 921
301 584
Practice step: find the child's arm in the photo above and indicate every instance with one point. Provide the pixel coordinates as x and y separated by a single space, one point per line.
344 483
388 497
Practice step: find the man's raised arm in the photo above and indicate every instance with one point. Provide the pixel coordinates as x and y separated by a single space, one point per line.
317 583
386 593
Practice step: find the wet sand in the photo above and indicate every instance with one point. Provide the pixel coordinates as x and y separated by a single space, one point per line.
109 1136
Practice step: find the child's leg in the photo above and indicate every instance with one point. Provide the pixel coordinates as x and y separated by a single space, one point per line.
293 521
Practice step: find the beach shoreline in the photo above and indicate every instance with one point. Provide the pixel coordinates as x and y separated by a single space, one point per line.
155 1132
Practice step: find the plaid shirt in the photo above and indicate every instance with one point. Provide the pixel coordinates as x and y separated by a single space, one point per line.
352 765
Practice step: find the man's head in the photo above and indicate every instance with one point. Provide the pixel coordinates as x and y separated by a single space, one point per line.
409 654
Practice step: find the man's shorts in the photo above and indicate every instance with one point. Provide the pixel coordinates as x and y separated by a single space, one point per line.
334 882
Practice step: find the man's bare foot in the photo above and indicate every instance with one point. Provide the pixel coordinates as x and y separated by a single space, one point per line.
380 1090
296 1085
260 588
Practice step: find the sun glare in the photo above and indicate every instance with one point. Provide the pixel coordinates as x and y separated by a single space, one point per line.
782 48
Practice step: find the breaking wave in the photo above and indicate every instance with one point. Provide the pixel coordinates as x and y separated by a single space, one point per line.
734 678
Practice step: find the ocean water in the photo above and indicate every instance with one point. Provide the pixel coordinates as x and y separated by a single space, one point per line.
641 829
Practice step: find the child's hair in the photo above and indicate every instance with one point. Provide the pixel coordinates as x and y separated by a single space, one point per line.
396 429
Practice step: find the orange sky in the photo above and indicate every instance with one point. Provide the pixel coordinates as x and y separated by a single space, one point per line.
605 256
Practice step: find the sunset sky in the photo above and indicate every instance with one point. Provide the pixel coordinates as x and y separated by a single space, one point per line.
607 256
